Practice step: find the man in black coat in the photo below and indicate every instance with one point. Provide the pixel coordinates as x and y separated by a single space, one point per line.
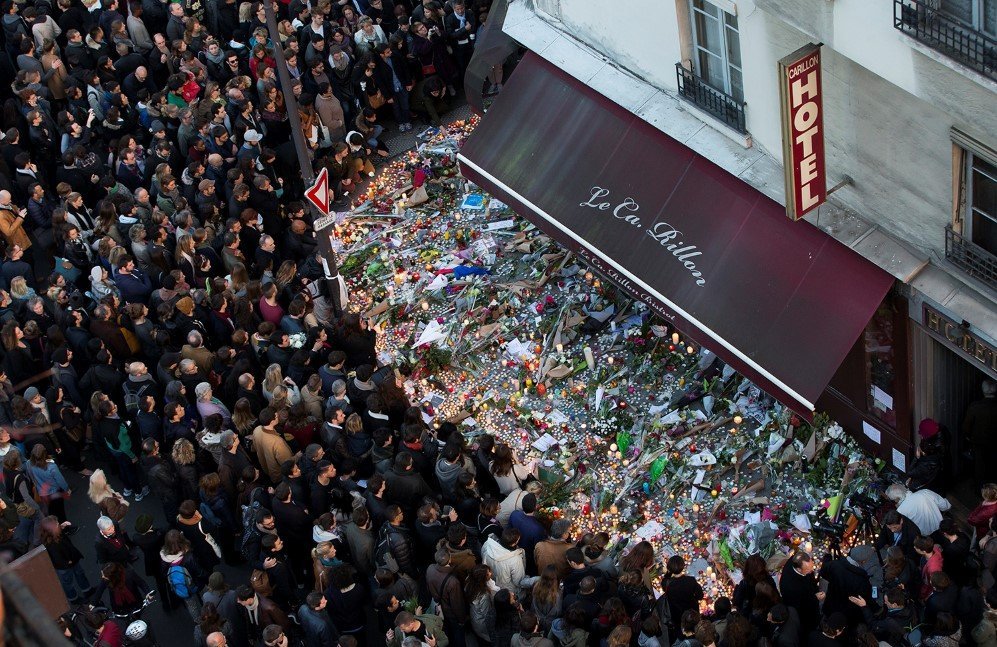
898 530
162 479
785 623
294 525
406 487
579 570
845 578
944 598
831 632
799 590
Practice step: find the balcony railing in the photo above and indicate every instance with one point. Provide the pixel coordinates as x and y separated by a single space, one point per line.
970 257
950 36
716 102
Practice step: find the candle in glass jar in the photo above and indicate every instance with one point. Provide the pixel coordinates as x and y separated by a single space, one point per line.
675 338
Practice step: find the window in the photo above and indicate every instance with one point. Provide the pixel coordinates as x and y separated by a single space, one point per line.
981 15
981 202
717 45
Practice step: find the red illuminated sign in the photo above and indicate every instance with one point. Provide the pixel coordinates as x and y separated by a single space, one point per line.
802 131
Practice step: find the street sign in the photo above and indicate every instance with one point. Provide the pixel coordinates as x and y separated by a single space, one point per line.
318 193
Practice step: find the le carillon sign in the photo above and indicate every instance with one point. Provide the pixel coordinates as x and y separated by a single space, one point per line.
801 99
961 340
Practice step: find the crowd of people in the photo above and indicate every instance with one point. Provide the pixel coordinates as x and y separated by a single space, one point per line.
169 329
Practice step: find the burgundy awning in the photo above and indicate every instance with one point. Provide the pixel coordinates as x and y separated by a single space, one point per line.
781 302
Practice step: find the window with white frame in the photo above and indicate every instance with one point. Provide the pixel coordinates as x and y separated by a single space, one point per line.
717 44
981 15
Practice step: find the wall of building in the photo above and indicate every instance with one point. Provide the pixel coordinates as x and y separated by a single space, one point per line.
888 106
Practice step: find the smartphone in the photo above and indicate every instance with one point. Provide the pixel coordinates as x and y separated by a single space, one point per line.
875 593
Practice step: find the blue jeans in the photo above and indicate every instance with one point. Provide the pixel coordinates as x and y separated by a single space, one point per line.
373 141
74 581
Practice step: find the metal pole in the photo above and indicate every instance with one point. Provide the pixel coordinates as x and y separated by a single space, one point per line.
290 102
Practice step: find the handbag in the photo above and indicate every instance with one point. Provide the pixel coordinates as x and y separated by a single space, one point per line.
428 70
376 100
260 582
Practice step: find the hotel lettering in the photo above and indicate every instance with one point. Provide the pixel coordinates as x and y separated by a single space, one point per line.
803 131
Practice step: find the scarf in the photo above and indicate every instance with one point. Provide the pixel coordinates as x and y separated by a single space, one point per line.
217 59
343 65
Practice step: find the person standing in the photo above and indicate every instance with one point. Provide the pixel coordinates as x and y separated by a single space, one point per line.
800 590
979 427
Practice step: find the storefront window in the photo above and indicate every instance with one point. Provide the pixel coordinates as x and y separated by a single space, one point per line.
880 366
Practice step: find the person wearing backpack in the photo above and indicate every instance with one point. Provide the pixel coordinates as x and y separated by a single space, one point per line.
137 385
184 574
447 592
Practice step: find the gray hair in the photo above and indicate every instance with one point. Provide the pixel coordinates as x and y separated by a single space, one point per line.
104 524
411 641
202 389
339 386
227 439
195 339
896 492
560 528
186 365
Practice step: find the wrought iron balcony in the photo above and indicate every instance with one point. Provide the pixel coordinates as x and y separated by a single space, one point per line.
709 99
948 35
970 257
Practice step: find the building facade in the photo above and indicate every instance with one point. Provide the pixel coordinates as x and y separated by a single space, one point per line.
910 138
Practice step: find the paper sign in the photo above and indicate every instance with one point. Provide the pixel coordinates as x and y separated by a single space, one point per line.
545 442
871 432
649 530
899 460
501 224
882 397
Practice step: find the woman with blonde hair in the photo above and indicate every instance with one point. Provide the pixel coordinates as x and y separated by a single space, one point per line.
19 289
323 560
184 459
273 378
100 489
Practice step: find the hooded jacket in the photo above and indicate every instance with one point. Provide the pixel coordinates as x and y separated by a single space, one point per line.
508 566
447 474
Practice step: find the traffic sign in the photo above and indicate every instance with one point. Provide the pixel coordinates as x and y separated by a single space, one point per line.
318 193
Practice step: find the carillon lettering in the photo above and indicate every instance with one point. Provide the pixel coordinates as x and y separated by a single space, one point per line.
666 235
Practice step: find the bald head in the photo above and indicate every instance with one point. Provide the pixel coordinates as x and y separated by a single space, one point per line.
216 639
4 197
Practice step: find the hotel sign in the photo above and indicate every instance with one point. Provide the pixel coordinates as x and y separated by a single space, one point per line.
961 340
802 104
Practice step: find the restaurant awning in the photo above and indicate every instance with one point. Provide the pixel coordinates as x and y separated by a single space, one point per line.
780 301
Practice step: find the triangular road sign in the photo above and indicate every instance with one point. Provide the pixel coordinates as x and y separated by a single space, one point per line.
318 193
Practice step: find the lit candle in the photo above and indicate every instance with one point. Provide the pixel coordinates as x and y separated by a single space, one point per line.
425 305
738 419
589 358
560 348
609 360
675 338
690 350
